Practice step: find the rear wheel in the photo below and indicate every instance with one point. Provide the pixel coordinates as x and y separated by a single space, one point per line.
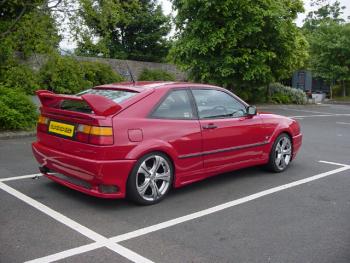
281 153
150 179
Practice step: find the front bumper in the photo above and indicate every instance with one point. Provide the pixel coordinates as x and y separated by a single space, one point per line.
94 176
297 141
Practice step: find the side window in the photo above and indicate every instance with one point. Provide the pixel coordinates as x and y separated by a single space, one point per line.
217 104
176 105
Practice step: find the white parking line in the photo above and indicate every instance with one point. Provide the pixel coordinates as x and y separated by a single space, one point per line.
320 115
186 218
345 123
32 176
221 207
125 252
339 164
67 253
310 111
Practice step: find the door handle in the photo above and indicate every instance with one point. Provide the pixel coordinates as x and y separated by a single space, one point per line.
210 126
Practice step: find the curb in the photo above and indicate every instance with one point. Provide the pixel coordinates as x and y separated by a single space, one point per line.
337 102
16 134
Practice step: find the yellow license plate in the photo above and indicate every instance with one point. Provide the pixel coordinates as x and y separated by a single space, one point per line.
61 128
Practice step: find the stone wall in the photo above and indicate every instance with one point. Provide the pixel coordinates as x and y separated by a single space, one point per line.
118 65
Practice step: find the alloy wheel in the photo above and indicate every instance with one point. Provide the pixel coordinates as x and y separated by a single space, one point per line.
283 153
153 178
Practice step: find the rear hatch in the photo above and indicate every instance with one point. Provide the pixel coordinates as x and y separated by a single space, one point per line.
82 123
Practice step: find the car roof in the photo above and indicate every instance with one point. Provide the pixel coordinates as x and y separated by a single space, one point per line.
140 86
149 86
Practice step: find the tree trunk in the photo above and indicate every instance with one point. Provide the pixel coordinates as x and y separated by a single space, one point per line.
268 92
344 88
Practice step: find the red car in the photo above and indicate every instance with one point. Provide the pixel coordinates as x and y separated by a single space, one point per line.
139 140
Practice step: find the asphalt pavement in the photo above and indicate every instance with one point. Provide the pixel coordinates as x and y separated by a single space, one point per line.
251 215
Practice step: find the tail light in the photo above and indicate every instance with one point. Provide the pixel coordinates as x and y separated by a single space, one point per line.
84 133
42 123
94 134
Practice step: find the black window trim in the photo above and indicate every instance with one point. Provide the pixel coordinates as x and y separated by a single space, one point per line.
244 104
191 99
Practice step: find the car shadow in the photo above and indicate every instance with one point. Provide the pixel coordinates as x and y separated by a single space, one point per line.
205 185
88 200
219 180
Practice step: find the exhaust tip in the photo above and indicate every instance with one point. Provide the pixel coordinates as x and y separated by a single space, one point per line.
44 169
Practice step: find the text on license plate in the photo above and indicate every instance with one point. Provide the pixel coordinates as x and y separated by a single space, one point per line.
61 128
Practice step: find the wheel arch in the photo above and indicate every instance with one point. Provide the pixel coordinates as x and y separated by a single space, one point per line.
278 132
153 147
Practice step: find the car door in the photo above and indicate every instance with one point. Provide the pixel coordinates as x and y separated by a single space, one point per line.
229 135
177 124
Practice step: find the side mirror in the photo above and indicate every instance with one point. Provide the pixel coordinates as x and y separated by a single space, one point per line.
251 110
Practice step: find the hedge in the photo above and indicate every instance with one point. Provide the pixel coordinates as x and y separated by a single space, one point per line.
67 75
286 95
19 76
17 111
279 94
155 74
59 74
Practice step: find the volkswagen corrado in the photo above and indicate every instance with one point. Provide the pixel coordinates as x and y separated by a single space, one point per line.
139 140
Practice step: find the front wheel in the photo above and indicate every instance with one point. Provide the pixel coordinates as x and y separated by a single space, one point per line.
150 179
281 154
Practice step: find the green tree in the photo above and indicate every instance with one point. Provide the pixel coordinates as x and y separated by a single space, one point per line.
26 27
330 53
326 13
238 42
328 36
134 29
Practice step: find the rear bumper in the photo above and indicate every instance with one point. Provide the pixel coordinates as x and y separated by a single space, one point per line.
297 141
94 175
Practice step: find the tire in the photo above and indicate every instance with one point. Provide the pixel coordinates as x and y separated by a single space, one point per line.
150 179
280 154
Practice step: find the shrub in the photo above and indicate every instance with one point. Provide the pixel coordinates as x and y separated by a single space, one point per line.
156 74
280 98
20 76
252 94
285 95
68 75
280 94
16 110
63 75
244 95
99 73
337 91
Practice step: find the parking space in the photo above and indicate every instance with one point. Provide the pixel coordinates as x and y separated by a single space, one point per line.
243 216
26 233
305 224
98 255
16 157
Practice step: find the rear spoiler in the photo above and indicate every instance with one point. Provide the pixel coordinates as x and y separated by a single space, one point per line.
99 104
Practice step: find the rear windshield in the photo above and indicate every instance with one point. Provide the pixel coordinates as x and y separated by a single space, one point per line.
117 96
